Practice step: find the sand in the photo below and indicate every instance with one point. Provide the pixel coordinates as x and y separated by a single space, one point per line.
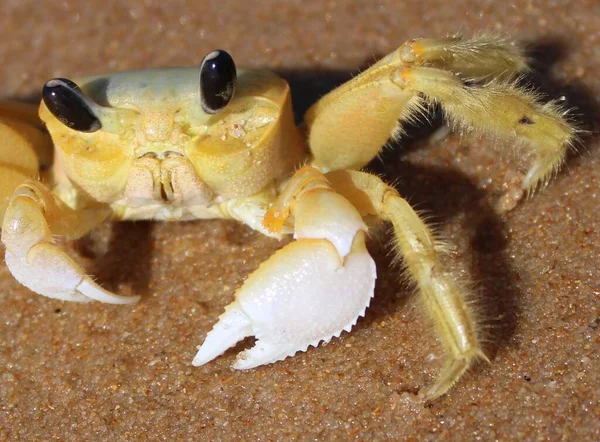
96 372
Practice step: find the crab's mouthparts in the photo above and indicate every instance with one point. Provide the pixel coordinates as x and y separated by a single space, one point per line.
162 155
170 180
166 192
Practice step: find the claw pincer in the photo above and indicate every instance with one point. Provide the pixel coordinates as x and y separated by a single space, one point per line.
307 292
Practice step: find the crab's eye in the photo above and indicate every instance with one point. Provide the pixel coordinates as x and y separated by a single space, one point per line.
217 81
68 104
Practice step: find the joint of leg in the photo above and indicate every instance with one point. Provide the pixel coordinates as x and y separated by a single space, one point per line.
403 78
411 52
306 179
35 191
24 225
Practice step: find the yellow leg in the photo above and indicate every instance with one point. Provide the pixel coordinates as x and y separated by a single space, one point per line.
480 57
349 126
21 134
18 110
23 146
502 111
445 302
18 159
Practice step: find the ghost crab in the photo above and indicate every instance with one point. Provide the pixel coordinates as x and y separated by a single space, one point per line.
159 144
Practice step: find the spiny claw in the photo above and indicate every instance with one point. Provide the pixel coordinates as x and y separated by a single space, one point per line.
309 291
233 326
304 294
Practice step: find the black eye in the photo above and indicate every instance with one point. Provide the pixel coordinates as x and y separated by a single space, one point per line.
68 104
217 81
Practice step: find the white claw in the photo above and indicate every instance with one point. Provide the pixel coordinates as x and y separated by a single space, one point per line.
302 295
50 272
307 292
35 260
89 288
233 326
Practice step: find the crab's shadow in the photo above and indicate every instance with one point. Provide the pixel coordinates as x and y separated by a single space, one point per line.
126 261
443 195
573 96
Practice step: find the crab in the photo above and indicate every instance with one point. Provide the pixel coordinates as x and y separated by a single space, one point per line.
217 142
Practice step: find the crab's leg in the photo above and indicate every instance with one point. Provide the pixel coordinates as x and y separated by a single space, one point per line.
27 113
348 127
21 132
444 299
20 144
34 215
501 110
479 57
307 292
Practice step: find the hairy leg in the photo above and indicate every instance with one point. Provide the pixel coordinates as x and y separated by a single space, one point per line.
503 111
446 302
474 82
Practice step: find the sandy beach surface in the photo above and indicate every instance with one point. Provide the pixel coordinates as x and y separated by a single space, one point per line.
96 372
